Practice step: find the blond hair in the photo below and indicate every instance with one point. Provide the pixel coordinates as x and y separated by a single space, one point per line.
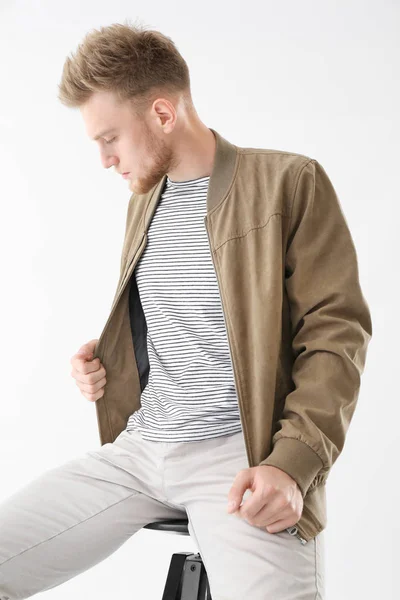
135 63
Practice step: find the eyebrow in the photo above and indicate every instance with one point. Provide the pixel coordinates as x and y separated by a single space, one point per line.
104 133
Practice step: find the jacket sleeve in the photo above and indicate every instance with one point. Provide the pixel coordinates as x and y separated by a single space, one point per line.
331 328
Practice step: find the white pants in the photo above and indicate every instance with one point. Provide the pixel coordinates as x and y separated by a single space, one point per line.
74 516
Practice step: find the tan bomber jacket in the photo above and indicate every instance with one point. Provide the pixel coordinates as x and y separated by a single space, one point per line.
297 322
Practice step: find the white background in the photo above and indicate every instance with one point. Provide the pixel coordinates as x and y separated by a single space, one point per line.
318 78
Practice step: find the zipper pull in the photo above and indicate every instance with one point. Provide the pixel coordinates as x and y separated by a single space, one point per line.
294 531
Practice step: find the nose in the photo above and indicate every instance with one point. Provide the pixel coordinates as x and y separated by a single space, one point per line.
108 161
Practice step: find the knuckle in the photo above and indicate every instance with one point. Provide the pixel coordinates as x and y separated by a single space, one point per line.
267 488
283 505
283 502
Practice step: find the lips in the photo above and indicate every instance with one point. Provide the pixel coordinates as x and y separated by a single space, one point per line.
125 175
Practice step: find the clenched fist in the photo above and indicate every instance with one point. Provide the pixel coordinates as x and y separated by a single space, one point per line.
90 375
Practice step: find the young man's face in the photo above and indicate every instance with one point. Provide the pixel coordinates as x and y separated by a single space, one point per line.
130 145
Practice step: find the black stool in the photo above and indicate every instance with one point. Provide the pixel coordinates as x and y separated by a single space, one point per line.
187 578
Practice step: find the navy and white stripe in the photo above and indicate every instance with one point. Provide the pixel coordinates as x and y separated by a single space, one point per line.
190 394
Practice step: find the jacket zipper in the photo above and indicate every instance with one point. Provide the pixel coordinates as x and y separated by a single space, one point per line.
291 530
227 332
294 531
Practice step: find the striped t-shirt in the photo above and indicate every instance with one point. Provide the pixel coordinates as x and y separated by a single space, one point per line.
190 394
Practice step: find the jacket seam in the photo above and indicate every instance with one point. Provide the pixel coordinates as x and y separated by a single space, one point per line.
242 235
244 150
296 185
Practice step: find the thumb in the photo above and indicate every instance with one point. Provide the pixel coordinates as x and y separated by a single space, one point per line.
84 352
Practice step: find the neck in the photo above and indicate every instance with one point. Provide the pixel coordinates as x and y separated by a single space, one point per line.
195 150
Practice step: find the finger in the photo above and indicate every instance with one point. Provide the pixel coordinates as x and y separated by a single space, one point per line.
92 388
89 378
264 508
86 351
279 525
255 504
266 517
84 366
252 506
94 397
242 482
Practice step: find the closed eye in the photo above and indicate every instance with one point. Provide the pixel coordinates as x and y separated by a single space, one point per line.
110 141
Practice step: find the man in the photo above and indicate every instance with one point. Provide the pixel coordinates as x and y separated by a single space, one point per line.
231 359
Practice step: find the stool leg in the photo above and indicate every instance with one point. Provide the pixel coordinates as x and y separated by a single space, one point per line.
173 584
204 587
187 578
195 581
191 578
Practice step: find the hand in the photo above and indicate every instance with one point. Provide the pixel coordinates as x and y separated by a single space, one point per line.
276 502
90 375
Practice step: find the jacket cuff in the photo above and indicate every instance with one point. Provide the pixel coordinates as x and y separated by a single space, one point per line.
297 459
